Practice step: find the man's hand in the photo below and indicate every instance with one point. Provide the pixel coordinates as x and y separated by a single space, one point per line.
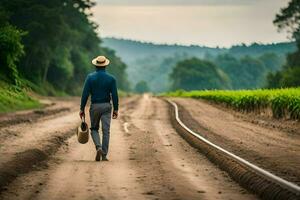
115 114
81 114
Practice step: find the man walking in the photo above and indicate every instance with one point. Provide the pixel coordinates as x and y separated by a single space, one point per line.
102 87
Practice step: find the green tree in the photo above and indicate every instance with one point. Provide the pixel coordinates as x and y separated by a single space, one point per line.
291 77
11 48
61 42
231 66
289 19
274 79
141 87
272 61
196 74
252 73
245 72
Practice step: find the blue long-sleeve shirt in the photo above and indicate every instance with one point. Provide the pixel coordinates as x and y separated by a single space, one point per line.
102 87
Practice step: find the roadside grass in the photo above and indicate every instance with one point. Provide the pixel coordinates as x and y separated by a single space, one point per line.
13 98
45 89
284 103
122 93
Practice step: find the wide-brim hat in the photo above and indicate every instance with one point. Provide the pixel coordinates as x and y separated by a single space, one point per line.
100 61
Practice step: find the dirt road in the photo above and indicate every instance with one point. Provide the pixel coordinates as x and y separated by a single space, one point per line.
148 160
35 130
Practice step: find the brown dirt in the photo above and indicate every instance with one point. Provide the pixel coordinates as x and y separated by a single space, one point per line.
51 108
25 143
148 160
262 119
274 150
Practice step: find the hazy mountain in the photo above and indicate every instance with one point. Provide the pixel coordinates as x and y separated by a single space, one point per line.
154 63
177 2
131 50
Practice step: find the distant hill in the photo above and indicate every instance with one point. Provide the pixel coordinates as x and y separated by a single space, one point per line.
154 62
130 50
256 49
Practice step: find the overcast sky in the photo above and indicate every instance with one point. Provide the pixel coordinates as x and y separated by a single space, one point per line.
175 2
204 22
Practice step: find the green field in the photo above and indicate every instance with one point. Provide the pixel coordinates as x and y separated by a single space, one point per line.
13 98
282 102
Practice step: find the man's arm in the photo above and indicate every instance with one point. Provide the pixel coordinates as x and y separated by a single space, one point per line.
115 98
85 94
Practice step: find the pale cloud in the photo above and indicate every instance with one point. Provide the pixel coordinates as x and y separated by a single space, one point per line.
176 2
211 25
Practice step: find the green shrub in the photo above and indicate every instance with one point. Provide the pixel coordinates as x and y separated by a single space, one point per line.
13 98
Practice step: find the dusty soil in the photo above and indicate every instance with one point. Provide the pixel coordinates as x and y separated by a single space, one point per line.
148 160
262 119
273 149
50 109
38 129
29 137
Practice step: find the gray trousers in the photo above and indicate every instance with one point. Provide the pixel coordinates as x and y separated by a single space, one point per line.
101 112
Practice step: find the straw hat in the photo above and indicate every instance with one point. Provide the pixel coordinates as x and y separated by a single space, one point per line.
100 61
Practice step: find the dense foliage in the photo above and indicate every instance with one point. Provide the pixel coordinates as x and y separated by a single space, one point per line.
289 19
13 98
248 72
194 74
283 102
141 87
236 73
59 45
11 49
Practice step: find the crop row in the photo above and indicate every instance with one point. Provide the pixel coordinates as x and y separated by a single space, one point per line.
283 102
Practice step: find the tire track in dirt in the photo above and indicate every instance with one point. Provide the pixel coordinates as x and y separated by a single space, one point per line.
34 143
73 173
168 167
57 106
13 124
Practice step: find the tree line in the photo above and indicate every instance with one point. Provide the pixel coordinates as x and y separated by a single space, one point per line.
51 44
225 71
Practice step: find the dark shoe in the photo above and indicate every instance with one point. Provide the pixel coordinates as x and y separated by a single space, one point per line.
98 155
104 158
